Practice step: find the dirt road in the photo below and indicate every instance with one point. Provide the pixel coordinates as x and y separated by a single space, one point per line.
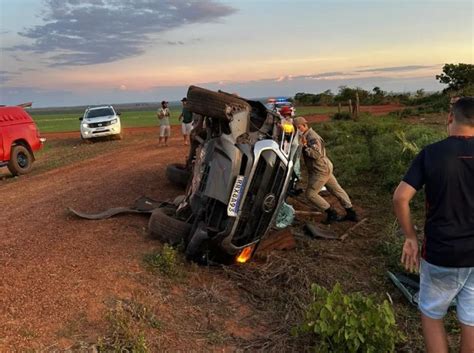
59 274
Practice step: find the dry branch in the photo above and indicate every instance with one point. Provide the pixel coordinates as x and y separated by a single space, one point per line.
346 234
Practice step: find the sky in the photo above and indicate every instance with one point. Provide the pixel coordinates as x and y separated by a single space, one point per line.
77 52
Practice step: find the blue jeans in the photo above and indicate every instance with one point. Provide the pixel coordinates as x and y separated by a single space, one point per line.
439 286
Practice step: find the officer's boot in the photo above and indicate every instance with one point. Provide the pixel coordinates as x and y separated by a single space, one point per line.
332 216
351 215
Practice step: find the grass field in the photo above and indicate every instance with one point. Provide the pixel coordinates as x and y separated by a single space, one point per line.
62 122
54 122
307 110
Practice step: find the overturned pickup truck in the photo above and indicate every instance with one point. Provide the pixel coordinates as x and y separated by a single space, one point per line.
241 168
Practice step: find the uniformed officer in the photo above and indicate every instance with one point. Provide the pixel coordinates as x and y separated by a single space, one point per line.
320 173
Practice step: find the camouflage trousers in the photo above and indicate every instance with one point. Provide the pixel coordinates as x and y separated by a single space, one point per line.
316 183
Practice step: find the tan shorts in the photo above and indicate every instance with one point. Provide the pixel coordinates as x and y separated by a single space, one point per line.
165 130
186 128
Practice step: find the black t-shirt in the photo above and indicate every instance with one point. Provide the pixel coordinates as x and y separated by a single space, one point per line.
446 169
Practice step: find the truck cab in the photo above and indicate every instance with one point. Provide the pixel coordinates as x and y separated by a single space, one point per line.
100 122
19 140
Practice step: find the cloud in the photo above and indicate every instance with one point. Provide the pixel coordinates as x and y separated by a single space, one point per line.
6 76
326 75
398 68
169 42
39 96
100 31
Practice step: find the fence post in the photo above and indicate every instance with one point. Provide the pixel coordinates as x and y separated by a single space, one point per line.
357 106
339 107
350 108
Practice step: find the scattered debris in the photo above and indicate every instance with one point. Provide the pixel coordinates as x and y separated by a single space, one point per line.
308 213
409 285
346 234
141 205
318 232
285 216
278 240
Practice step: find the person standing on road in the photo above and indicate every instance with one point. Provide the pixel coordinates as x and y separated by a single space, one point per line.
446 170
320 173
186 118
164 118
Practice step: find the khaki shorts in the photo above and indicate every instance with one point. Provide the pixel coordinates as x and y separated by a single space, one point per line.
186 128
165 130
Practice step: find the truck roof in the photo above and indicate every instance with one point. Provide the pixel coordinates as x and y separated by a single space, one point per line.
99 107
13 115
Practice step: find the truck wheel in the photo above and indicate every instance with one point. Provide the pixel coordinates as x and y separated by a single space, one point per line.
178 174
87 141
214 104
165 227
21 160
118 136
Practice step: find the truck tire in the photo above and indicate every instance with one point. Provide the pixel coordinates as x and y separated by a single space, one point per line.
163 226
214 104
21 160
118 136
178 174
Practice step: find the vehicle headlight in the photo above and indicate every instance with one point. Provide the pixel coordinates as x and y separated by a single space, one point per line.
114 121
85 125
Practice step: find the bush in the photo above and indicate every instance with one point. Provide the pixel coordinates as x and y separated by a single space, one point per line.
342 116
166 261
124 336
349 323
378 149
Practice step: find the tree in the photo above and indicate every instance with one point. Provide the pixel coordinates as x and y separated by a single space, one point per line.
378 92
420 93
378 95
458 77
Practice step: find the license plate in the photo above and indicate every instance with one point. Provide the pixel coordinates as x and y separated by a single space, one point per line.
236 196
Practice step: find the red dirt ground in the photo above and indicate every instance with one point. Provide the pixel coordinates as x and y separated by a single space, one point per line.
372 109
59 273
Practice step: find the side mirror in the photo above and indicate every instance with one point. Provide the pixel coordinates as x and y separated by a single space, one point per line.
118 113
80 118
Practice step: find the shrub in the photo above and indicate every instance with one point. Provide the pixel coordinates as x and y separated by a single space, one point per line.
379 149
124 336
404 113
342 116
349 323
166 261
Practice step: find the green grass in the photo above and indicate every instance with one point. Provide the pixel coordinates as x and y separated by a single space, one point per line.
370 158
63 122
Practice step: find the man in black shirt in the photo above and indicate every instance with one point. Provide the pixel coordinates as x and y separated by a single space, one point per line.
446 170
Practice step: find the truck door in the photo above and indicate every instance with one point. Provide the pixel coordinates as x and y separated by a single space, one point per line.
2 154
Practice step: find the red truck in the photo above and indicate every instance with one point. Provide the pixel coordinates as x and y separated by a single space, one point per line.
19 140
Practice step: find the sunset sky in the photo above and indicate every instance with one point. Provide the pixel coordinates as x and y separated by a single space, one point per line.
69 52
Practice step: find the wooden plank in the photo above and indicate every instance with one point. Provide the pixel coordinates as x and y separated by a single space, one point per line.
277 240
308 213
